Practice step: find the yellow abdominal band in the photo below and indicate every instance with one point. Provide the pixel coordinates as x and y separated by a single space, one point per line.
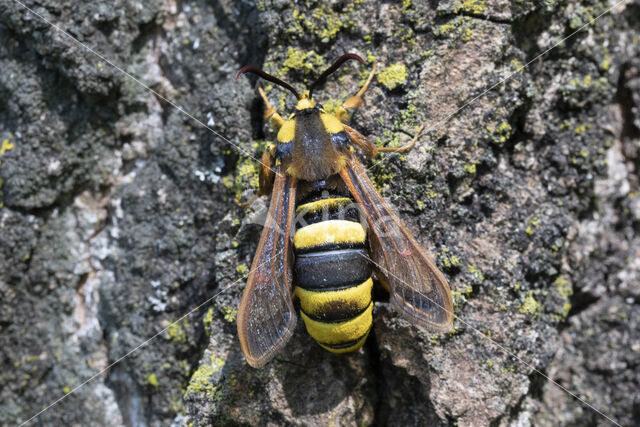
326 232
334 335
320 205
333 275
317 303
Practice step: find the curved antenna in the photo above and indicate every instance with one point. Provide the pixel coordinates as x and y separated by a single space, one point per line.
269 77
331 69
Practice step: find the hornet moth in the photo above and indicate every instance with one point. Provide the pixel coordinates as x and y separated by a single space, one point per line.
328 231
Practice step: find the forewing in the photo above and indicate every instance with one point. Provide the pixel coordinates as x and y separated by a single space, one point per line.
266 317
418 289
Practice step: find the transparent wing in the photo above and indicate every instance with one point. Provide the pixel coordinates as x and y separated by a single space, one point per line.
266 317
418 289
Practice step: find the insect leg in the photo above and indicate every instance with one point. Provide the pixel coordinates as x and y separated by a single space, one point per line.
271 114
363 143
356 100
265 178
407 147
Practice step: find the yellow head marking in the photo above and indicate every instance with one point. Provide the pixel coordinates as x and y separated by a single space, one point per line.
305 103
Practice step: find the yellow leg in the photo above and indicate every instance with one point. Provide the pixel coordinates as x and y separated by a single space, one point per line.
271 114
356 100
247 203
409 146
371 150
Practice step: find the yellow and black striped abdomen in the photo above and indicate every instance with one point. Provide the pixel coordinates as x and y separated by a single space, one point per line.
332 274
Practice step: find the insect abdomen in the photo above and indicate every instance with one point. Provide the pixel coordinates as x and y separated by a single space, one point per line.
333 275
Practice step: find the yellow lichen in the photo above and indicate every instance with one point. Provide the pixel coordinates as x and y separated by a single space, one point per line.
152 379
475 271
306 62
460 296
175 332
230 313
207 320
242 269
448 259
6 146
201 379
475 7
530 305
470 168
393 76
431 194
564 289
444 29
500 133
382 179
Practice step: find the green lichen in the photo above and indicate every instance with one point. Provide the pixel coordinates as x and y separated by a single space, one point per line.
408 116
389 138
530 305
393 76
381 179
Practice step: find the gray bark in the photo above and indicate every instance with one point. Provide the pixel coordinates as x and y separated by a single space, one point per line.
117 217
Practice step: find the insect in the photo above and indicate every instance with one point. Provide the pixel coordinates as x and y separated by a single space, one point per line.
343 234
